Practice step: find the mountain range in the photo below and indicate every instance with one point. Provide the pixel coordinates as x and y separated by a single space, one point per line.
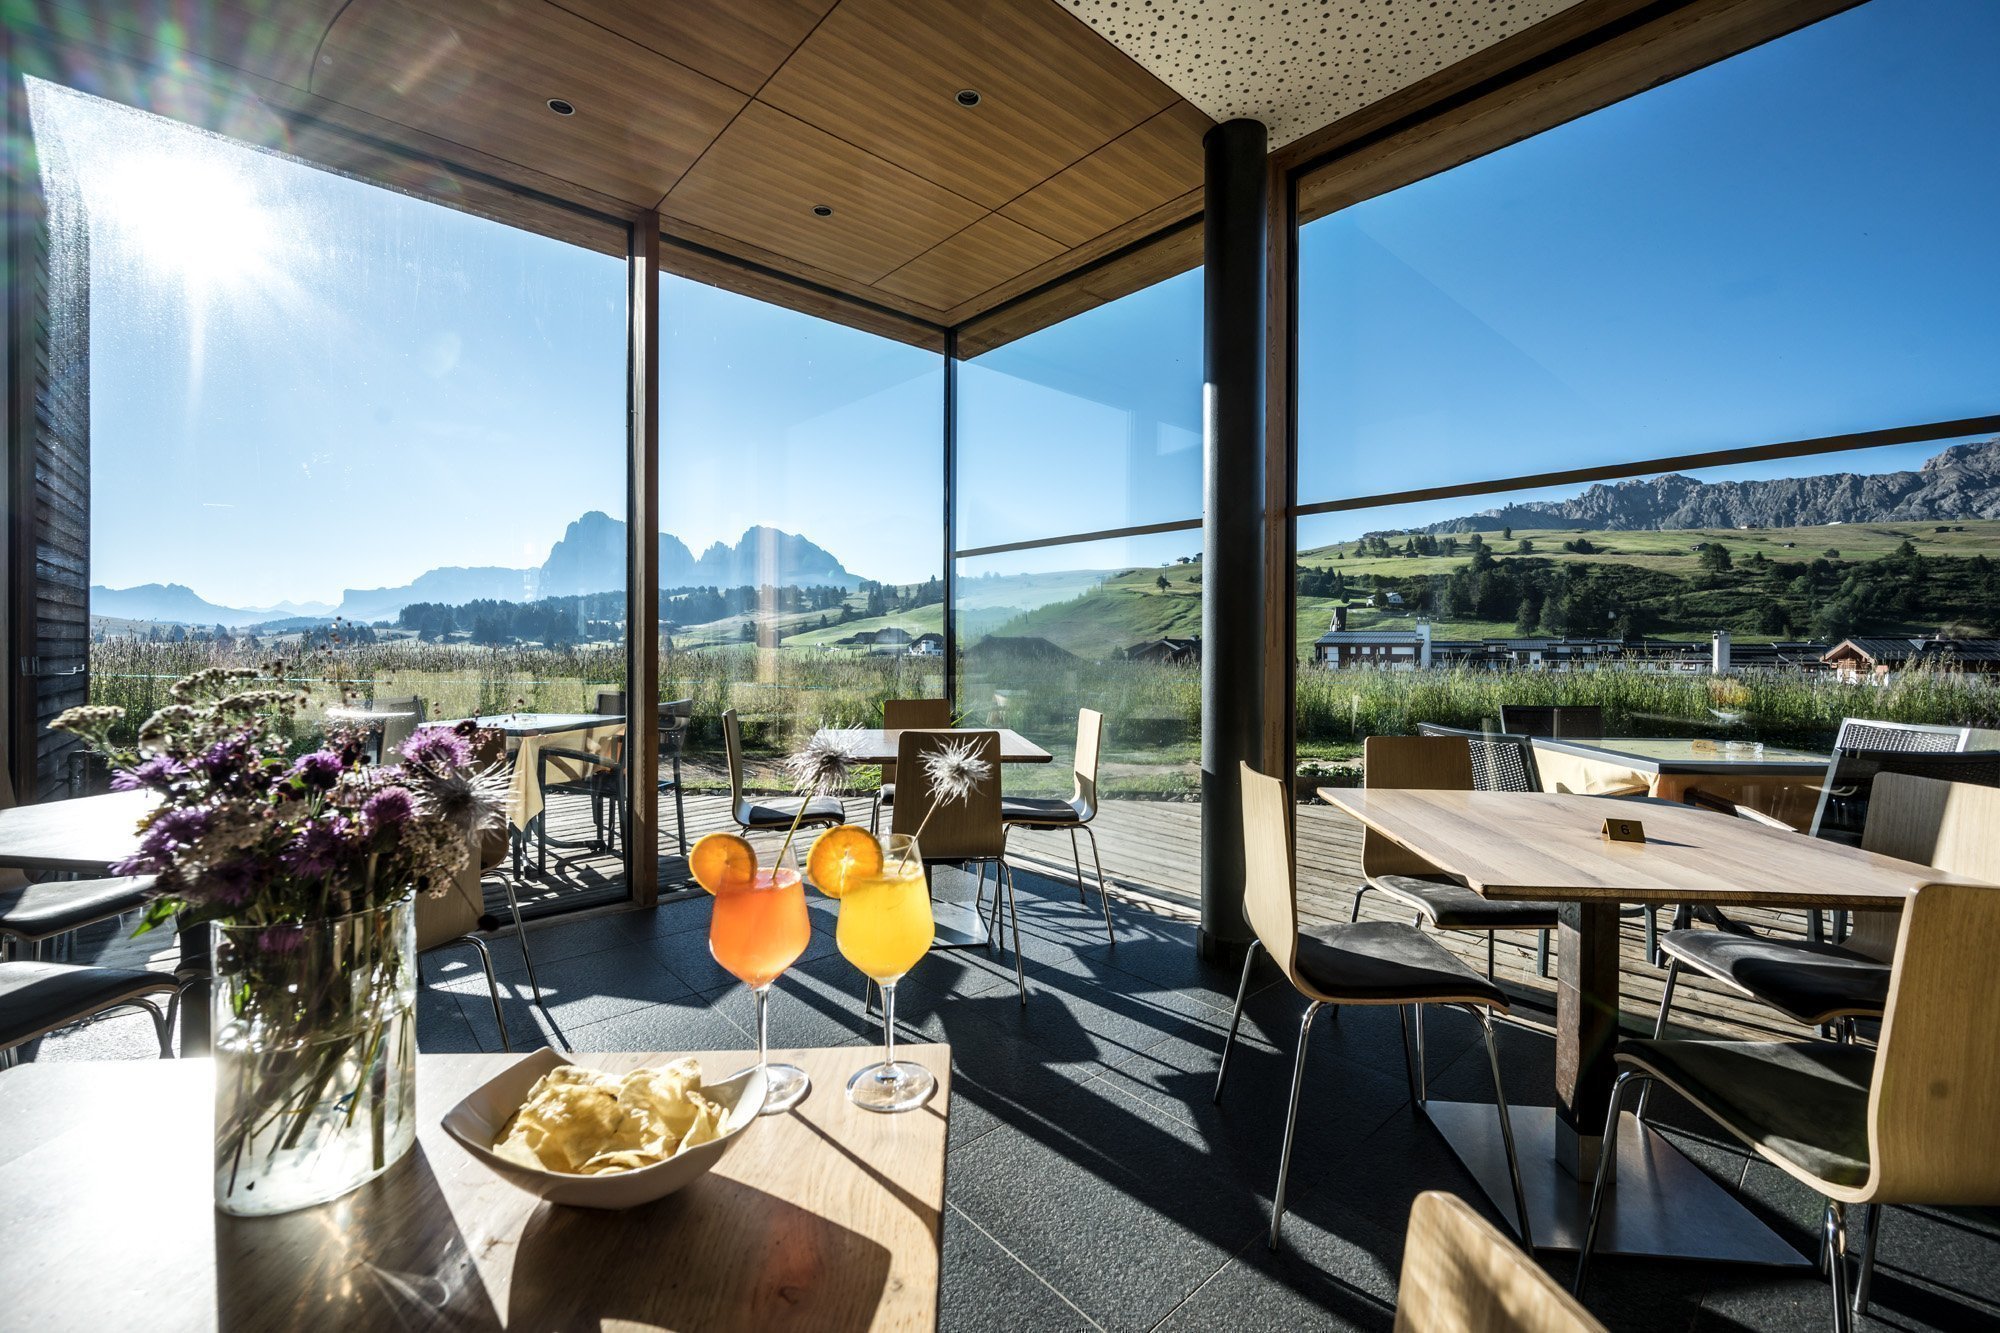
1961 482
589 557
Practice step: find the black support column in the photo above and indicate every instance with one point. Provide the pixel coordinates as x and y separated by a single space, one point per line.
1233 566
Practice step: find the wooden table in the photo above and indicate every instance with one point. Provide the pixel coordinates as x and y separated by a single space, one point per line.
1549 846
1782 783
876 745
825 1218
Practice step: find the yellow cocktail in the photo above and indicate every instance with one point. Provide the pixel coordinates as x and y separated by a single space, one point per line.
885 921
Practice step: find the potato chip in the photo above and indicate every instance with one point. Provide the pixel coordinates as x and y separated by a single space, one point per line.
588 1122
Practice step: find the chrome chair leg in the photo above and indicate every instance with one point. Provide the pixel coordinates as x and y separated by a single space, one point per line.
1423 1075
1006 873
1490 937
1659 1030
1076 856
1103 886
1485 1018
1542 954
1836 1245
1355 915
521 937
1291 1121
1607 1167
163 1027
1242 992
1871 1223
492 987
1409 1060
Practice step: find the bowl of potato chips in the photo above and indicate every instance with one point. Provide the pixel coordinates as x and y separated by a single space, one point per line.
592 1138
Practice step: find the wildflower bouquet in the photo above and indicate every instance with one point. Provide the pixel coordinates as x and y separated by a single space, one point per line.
306 869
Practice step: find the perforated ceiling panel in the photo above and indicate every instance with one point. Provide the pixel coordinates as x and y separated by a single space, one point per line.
1299 64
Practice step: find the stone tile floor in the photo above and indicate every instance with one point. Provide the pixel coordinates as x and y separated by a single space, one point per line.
1092 1184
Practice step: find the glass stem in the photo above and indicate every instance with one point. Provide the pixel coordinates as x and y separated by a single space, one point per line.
888 1025
762 993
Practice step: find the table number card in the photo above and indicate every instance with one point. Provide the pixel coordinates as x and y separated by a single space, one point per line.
1624 830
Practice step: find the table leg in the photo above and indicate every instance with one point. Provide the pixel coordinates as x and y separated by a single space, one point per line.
196 964
1586 1031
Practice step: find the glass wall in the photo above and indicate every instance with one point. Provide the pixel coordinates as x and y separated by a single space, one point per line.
801 502
1088 427
1785 246
331 425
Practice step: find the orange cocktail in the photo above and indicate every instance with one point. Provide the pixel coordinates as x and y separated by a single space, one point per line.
760 928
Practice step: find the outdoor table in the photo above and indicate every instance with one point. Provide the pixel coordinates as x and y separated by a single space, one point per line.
526 733
1547 846
1776 781
877 745
826 1217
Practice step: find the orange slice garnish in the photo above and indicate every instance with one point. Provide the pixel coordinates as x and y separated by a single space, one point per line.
841 856
723 861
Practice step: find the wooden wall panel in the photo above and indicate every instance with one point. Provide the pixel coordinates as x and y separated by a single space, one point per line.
737 42
985 254
883 73
1174 253
273 39
717 270
1149 165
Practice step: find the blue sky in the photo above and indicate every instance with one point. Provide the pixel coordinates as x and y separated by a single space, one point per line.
301 383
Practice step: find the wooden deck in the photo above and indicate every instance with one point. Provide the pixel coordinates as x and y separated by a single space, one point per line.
1152 855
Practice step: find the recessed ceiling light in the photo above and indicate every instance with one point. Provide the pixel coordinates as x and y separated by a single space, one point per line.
560 107
968 97
822 210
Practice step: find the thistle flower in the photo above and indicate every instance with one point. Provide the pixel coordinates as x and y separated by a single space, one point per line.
156 774
318 770
823 766
955 771
432 747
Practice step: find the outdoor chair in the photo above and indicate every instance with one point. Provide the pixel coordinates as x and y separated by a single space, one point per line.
904 715
676 720
1446 760
36 998
1462 1275
774 812
1552 721
396 730
1048 812
1908 1122
1373 962
598 775
451 918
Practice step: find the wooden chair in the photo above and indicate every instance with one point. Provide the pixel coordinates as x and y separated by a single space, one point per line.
905 715
1552 720
959 832
1462 1275
770 812
1909 1122
1043 812
1373 962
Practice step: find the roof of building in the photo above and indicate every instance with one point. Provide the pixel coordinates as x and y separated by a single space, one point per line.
1892 652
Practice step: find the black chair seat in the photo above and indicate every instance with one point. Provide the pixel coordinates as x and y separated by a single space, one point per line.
40 911
40 997
887 794
1387 962
778 812
1038 810
1802 1102
1450 905
1813 983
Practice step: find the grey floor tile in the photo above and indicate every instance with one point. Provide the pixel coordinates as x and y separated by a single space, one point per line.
1332 1270
689 1024
984 1289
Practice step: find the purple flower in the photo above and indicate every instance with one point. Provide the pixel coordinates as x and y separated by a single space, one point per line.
433 747
282 938
157 773
318 848
225 760
389 808
318 770
230 884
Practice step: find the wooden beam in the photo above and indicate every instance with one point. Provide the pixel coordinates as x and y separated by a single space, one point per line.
642 580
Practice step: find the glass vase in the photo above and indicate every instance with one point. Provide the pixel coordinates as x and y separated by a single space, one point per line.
315 1057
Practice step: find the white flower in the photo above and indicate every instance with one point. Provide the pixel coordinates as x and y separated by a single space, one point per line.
823 766
955 770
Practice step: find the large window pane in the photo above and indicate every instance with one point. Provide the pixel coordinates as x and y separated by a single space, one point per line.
1791 244
1086 426
802 501
327 423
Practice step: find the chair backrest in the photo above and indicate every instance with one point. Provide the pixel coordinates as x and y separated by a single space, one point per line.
1089 747
611 701
1842 812
1552 720
732 744
396 730
1269 891
1865 733
1461 1275
1935 1097
966 830
676 720
913 714
1414 763
1949 825
1499 762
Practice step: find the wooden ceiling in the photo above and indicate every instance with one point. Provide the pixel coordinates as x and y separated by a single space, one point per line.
736 121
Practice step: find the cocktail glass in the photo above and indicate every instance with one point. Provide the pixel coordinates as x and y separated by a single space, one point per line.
758 930
885 926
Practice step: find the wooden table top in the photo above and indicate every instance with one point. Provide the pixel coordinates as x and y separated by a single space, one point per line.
541 724
1550 846
875 745
825 1218
82 835
1668 755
